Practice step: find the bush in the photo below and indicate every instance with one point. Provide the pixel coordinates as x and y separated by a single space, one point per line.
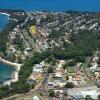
51 70
88 97
69 85
51 93
98 97
67 78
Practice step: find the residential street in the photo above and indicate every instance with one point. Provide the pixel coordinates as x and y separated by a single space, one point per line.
87 74
30 94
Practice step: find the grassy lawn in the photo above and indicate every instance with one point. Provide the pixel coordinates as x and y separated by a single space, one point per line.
70 69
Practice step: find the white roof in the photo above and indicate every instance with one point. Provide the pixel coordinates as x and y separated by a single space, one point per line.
92 93
58 75
94 66
37 69
42 63
38 65
36 98
59 66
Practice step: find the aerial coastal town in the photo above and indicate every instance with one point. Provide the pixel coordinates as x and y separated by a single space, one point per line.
56 55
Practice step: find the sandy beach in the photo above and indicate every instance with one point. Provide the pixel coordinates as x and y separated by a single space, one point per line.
15 74
5 13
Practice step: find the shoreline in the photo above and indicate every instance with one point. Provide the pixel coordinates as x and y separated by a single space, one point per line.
5 14
14 75
8 16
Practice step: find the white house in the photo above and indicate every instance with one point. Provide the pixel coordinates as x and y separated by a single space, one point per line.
92 93
37 68
94 66
36 98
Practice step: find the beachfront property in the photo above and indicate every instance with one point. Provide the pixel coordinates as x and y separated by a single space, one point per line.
24 42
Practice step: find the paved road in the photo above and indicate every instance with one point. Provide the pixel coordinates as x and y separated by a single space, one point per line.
86 73
41 89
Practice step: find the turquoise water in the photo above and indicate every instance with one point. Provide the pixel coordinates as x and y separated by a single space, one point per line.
5 70
3 21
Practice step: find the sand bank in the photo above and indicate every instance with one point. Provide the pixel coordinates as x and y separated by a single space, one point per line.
5 13
15 73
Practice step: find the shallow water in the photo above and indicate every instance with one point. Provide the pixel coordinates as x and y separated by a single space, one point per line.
3 21
5 70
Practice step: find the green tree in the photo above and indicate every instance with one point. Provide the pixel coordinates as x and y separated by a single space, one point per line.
98 97
67 77
65 66
51 70
98 61
51 93
69 85
88 97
